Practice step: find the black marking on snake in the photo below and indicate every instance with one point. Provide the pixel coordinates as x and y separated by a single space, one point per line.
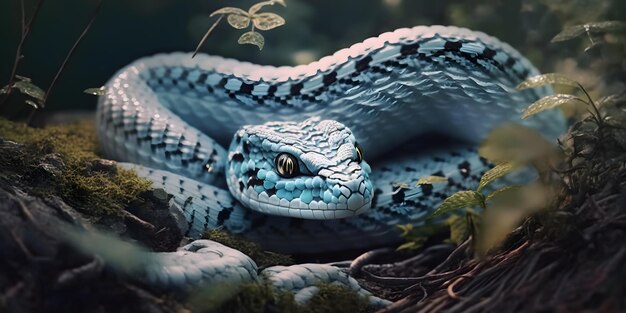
241 186
246 88
464 168
254 181
453 45
237 157
223 216
295 89
377 192
270 192
409 49
183 75
362 64
489 53
398 197
510 62
329 78
272 90
427 189
246 147
202 78
210 89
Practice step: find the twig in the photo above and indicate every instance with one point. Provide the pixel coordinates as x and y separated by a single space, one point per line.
366 258
137 221
206 35
70 53
20 45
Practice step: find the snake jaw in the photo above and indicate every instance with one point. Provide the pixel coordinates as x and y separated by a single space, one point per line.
332 182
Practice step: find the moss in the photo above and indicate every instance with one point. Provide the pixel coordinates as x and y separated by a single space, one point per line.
100 193
334 298
258 298
262 258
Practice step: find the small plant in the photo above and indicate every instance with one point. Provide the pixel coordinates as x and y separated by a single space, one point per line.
36 96
240 19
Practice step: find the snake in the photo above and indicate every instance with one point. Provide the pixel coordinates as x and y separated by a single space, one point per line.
316 158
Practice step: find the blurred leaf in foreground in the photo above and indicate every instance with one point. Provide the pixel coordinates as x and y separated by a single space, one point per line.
549 102
517 144
101 91
547 79
498 171
506 212
460 199
121 255
431 179
597 27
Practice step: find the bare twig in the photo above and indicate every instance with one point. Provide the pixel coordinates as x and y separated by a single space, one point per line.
18 53
95 13
206 35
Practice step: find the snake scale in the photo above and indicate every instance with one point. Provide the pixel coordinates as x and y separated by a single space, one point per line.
295 177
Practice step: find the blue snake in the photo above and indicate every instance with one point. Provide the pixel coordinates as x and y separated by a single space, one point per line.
296 176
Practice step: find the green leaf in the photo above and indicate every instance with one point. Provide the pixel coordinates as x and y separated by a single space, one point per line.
459 200
459 230
30 89
545 79
502 191
96 91
598 27
252 38
431 179
411 245
238 21
549 102
512 142
255 8
406 229
32 103
267 21
498 171
229 10
23 78
119 254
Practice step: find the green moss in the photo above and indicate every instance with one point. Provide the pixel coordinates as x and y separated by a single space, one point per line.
258 298
262 258
76 145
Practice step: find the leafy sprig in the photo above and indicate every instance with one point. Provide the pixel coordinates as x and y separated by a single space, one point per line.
240 19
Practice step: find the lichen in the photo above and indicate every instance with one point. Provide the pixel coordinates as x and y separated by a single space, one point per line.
97 193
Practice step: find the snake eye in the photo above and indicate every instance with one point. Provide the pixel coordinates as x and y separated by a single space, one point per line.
286 165
359 152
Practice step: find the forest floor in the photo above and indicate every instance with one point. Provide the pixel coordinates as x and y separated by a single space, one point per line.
568 258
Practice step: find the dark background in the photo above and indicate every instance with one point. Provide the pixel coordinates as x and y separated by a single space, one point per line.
128 29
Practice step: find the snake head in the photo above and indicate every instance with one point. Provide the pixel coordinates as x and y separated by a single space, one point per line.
311 170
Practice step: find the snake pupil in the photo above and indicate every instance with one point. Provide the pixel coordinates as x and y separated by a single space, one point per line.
359 152
286 165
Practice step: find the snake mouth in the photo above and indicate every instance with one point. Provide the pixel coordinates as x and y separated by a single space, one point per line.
315 210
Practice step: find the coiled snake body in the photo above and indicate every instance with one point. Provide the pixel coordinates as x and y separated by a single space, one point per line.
296 180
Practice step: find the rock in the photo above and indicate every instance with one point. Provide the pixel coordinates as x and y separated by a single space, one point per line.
102 165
